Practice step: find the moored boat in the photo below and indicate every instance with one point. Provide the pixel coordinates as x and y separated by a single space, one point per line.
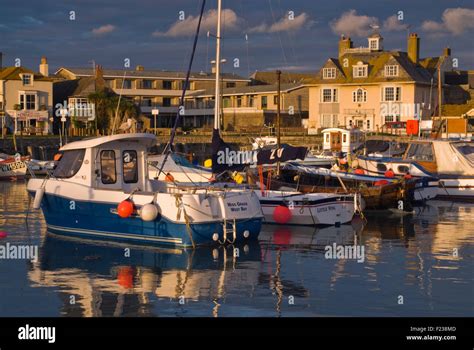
100 189
452 162
13 167
296 208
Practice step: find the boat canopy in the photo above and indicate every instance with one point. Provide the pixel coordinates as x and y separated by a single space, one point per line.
454 157
148 139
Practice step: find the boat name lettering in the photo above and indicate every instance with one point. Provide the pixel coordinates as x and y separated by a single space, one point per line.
12 166
328 208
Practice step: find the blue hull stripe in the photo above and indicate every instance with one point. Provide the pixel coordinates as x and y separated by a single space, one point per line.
95 220
116 235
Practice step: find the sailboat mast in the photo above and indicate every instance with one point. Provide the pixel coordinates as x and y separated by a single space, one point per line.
278 122
218 67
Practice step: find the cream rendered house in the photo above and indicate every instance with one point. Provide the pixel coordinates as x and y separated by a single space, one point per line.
26 99
374 89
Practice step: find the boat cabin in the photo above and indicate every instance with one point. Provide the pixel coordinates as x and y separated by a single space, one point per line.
342 140
116 162
442 156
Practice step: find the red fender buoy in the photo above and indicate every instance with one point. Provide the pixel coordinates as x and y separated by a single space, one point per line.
359 171
125 208
389 173
282 214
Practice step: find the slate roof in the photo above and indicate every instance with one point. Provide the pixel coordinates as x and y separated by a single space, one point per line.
285 78
156 74
376 61
248 90
13 73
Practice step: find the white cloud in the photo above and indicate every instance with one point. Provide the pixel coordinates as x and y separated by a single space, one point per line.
32 20
284 24
432 26
350 23
392 24
454 20
102 30
188 26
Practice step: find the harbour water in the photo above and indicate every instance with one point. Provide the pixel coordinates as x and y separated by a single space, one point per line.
413 265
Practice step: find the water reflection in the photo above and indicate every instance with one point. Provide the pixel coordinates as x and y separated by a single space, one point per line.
107 282
426 257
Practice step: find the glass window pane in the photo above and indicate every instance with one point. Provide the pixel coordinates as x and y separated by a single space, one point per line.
107 167
130 166
69 164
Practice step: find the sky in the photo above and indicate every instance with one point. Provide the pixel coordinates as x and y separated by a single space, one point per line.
296 35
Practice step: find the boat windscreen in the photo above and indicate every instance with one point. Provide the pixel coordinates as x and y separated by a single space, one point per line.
420 152
467 150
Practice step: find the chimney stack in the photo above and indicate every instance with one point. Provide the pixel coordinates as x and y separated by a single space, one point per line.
344 44
43 67
413 47
447 52
139 68
1 60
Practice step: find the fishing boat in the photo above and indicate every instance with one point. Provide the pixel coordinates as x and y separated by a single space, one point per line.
423 188
100 189
13 167
377 192
296 208
451 161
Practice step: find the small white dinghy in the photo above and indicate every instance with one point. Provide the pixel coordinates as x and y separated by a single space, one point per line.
12 167
296 208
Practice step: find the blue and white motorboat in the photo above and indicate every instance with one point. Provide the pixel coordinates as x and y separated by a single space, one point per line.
101 189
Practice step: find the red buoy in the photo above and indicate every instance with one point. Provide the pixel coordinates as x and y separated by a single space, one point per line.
359 171
380 183
125 208
282 236
125 277
282 214
407 176
3 234
389 173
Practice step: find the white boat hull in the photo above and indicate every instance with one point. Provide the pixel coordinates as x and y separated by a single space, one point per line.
12 169
309 209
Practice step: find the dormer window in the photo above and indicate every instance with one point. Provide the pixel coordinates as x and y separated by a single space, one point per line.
329 73
374 44
27 79
391 70
359 70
